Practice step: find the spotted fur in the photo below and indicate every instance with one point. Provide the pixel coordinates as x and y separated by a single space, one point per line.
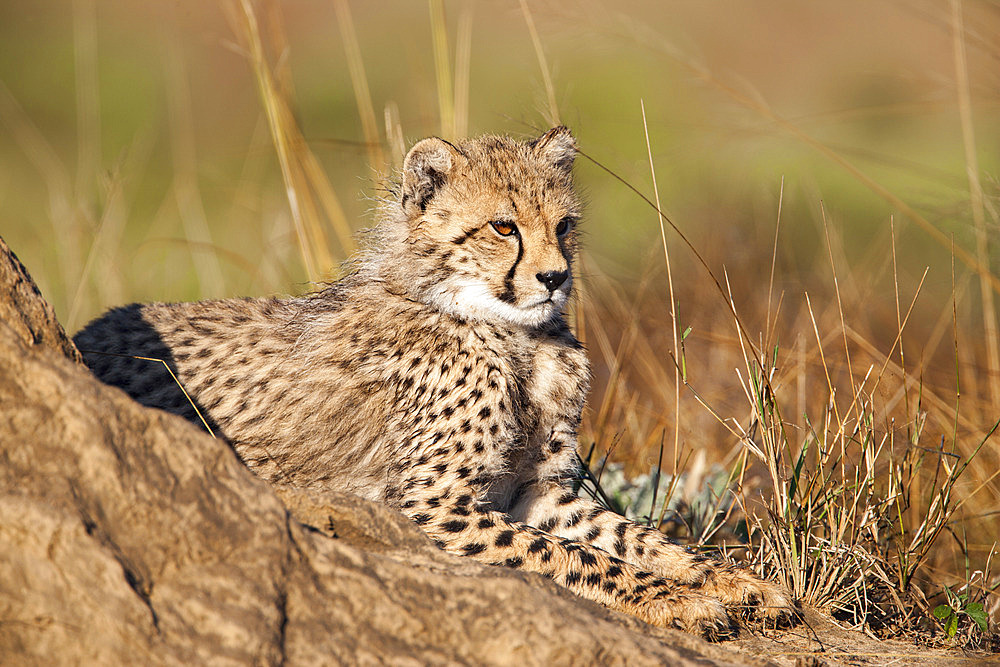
440 378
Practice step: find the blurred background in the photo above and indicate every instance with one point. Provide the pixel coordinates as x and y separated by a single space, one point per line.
846 151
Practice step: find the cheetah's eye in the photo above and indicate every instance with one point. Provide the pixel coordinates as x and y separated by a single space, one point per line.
564 225
503 227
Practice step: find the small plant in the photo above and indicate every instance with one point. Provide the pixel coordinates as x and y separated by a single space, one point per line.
696 502
959 606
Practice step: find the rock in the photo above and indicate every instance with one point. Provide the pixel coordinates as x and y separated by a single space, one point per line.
23 309
129 536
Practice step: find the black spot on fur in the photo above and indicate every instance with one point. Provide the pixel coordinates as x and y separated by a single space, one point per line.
620 547
473 549
454 526
505 539
539 544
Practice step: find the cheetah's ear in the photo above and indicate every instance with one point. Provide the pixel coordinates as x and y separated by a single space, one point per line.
426 168
558 146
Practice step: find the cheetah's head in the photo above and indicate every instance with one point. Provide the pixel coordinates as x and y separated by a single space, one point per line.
491 223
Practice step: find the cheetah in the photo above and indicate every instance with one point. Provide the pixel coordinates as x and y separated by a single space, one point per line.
438 377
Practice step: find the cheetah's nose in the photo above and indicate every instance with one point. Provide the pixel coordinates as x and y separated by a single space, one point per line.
552 279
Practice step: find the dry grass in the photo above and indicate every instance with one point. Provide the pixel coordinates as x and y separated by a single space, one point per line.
851 502
859 503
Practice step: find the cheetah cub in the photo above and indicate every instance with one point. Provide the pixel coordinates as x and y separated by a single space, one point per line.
439 378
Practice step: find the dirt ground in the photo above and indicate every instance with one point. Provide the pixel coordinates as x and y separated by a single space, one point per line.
820 641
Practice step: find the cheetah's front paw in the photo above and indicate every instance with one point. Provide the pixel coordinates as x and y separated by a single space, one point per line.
686 609
751 597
